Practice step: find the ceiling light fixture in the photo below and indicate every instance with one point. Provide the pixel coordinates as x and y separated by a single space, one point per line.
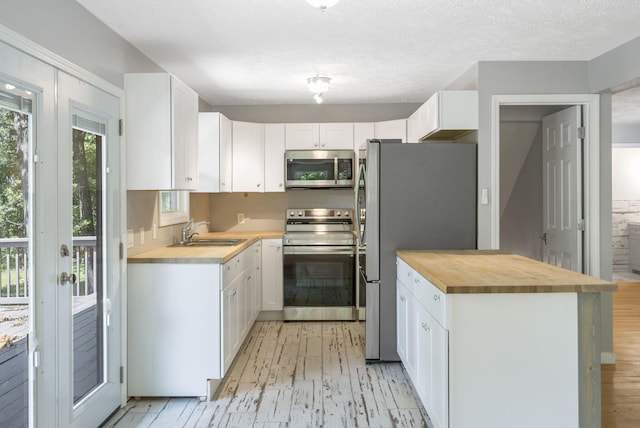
322 4
318 85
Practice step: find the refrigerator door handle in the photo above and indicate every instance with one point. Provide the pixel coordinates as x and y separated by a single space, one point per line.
356 188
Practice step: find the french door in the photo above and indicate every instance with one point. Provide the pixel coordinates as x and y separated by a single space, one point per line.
68 267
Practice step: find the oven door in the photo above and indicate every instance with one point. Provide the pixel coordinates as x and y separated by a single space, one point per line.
319 282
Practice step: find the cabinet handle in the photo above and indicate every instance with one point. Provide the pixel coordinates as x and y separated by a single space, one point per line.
249 277
280 185
416 280
424 326
234 293
258 184
402 298
436 297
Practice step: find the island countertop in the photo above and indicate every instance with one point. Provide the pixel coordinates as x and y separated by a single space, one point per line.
205 254
494 271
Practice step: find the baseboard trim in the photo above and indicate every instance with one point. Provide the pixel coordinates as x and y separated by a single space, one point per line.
607 357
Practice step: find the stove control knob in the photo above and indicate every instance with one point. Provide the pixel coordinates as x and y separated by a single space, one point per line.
338 213
292 213
300 213
346 213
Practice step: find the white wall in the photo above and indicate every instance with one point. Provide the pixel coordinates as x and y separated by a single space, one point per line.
626 173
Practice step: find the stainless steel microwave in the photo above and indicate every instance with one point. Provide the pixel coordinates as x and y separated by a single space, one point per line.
319 168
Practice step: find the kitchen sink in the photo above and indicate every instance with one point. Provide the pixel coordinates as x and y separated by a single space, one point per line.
209 243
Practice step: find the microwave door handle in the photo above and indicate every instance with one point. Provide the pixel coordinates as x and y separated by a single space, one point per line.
335 169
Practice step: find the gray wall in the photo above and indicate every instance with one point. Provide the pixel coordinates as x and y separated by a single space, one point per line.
616 68
70 31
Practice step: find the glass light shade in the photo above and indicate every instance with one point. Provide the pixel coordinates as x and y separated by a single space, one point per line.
318 84
322 4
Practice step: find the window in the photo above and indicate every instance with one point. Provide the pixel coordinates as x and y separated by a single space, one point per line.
173 207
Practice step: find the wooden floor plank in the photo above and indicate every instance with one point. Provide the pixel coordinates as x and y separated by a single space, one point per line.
305 374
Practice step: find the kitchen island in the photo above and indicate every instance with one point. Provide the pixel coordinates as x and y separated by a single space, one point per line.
496 340
190 309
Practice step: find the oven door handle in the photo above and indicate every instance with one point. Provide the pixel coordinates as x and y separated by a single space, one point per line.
318 250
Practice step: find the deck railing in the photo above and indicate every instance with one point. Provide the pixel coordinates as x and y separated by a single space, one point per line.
14 268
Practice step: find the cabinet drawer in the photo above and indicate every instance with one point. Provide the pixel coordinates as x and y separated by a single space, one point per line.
434 300
404 274
234 267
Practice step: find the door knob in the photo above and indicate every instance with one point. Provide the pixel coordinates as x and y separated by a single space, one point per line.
65 278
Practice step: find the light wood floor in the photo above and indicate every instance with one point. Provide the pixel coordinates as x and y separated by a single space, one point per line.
293 375
621 382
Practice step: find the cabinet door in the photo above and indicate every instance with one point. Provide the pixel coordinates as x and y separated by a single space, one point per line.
274 157
184 113
272 282
392 129
336 136
257 280
214 153
423 379
361 133
401 313
230 324
301 136
248 157
439 375
226 154
412 335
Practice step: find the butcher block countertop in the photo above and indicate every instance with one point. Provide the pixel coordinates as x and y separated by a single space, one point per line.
208 254
492 271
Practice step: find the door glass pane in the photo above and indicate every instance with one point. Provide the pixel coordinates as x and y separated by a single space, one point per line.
16 286
88 328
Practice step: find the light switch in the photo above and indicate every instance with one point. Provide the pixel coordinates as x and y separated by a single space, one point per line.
240 218
142 236
129 238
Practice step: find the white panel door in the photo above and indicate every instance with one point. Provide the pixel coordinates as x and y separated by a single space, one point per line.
562 189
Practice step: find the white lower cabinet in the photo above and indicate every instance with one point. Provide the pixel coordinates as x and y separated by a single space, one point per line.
187 322
423 344
272 280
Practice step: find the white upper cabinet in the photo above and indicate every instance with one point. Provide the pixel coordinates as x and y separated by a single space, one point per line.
214 153
248 157
323 136
447 115
274 157
362 132
391 129
336 136
162 132
301 136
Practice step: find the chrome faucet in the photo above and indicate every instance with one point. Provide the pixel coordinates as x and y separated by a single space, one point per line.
187 232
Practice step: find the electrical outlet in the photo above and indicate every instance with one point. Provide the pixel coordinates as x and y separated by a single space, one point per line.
154 231
240 218
142 236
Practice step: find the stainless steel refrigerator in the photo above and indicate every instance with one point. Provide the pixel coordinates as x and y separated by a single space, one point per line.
417 196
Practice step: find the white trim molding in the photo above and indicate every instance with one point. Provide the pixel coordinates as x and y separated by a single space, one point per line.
591 166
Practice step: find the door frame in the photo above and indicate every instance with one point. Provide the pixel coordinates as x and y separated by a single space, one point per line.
19 42
590 165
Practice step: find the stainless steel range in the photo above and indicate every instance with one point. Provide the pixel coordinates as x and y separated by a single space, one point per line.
319 265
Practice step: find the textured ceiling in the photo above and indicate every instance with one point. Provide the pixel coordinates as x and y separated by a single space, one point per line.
246 52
